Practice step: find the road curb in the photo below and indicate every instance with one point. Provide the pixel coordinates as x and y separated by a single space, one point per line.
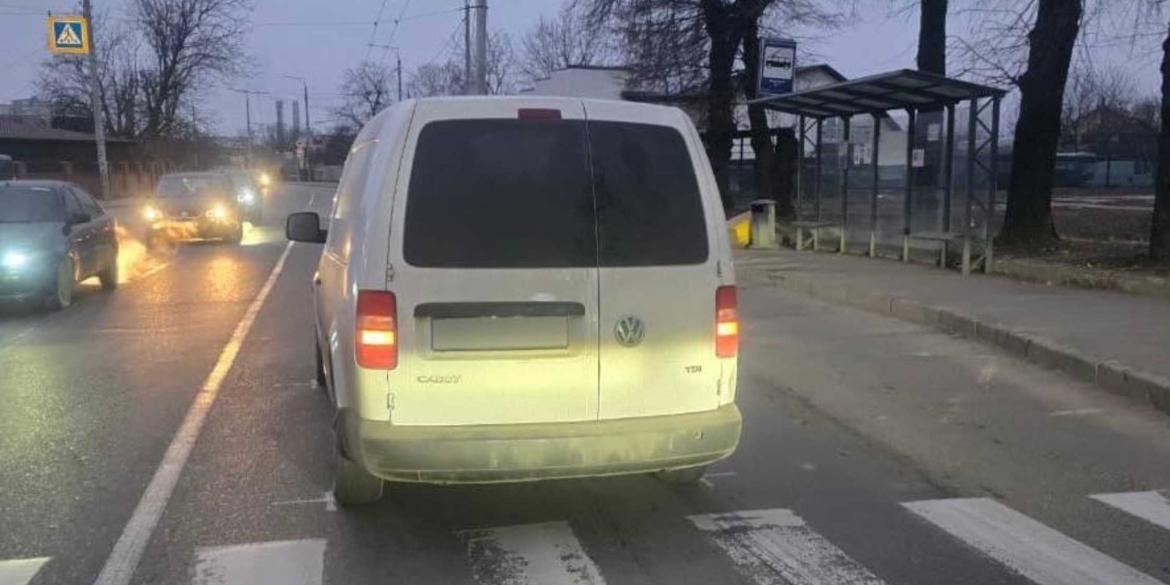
1109 375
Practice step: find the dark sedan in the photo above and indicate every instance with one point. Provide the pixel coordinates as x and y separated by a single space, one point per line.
53 235
195 206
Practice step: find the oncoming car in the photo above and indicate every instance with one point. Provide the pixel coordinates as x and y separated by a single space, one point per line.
517 289
194 206
53 235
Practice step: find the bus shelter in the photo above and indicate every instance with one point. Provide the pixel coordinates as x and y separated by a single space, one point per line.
908 201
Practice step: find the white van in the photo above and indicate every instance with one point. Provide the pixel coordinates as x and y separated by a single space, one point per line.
517 289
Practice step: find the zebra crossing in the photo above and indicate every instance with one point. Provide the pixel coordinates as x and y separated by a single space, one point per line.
767 547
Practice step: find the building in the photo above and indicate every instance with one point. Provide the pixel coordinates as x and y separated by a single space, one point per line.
26 111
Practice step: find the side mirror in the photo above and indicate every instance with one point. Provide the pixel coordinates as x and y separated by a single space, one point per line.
305 227
75 219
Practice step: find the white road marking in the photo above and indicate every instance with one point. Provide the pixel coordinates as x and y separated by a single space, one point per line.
719 474
289 562
15 338
1152 507
530 554
774 547
1076 412
20 571
120 565
1024 545
153 270
327 499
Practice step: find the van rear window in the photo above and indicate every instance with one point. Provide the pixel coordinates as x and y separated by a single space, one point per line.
500 193
649 209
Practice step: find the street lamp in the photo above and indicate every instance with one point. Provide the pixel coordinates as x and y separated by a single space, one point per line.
308 127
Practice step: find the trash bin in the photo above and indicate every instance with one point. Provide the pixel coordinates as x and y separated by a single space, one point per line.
763 223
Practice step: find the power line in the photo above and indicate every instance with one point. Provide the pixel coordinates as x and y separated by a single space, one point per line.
374 32
394 31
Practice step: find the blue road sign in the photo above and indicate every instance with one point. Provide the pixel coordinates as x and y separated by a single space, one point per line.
68 34
777 74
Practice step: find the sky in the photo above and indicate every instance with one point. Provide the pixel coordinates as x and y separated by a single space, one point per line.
318 39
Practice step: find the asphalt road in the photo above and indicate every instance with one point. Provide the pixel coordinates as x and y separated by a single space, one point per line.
874 451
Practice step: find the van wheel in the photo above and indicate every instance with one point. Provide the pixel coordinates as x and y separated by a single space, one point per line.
685 476
353 485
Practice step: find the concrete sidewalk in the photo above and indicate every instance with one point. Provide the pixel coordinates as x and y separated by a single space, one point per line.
1117 341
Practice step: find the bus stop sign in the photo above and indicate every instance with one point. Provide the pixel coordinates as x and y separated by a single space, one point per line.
68 34
777 73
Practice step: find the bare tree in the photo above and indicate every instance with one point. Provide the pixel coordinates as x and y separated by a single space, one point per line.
449 77
437 79
685 42
191 43
365 91
562 41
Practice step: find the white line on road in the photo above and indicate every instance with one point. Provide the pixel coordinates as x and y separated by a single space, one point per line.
1034 550
289 562
327 499
776 546
120 565
1149 506
1076 412
20 571
530 554
153 270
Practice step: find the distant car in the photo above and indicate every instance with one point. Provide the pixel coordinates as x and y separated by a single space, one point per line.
194 206
249 197
516 289
7 168
53 235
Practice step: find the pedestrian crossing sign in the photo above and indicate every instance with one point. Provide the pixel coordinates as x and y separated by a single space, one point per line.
68 34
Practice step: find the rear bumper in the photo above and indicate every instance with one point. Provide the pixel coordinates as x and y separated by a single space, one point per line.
526 452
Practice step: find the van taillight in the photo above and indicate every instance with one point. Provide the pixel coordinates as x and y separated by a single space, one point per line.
726 322
376 337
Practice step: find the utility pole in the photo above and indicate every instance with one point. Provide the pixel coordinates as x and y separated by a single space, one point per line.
481 46
399 57
466 47
195 136
248 117
99 122
308 126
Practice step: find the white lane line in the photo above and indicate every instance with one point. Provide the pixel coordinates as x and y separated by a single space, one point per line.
120 565
1076 412
530 554
153 270
773 547
1152 507
1024 545
20 571
289 562
327 499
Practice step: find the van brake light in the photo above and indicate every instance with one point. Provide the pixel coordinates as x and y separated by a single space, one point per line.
538 114
726 322
376 326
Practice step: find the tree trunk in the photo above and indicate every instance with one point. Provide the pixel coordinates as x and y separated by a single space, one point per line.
721 94
765 165
928 180
932 37
1160 231
1028 222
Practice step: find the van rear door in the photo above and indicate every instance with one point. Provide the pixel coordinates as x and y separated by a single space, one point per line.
658 265
494 263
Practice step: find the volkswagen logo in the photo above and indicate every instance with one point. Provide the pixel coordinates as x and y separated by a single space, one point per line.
629 331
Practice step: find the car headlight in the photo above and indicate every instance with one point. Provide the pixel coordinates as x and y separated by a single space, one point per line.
247 197
151 213
14 260
265 179
217 212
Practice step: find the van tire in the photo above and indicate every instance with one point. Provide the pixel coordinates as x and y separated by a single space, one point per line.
684 476
353 485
